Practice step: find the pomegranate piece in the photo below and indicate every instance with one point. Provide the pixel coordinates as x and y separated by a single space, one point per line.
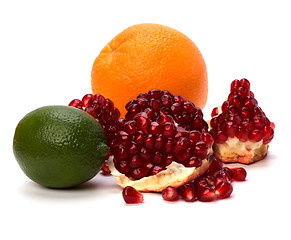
241 118
170 194
160 128
239 174
103 110
130 195
241 105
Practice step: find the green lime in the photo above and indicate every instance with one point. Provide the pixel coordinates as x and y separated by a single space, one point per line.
59 146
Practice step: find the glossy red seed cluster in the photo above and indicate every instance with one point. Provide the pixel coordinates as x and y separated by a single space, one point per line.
241 117
213 185
159 128
102 109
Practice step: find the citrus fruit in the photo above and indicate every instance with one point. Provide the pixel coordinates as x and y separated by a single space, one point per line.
59 146
150 56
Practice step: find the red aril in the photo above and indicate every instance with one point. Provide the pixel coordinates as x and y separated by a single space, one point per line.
130 195
170 194
239 174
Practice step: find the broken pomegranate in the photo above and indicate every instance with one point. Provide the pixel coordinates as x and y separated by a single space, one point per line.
130 195
163 141
241 130
103 110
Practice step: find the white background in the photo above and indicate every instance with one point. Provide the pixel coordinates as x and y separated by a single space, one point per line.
47 49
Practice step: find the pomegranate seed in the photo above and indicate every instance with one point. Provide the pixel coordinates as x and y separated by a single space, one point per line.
170 194
245 83
142 95
169 129
206 194
223 190
256 135
242 134
130 127
215 165
156 169
235 85
243 92
154 128
239 174
158 159
193 162
166 100
225 106
76 103
195 136
122 138
201 149
130 195
142 120
154 93
179 99
225 173
136 162
268 134
214 112
159 140
220 137
189 107
88 100
139 172
105 169
143 103
162 119
187 192
181 145
250 102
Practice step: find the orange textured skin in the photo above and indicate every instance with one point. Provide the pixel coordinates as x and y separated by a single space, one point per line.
148 56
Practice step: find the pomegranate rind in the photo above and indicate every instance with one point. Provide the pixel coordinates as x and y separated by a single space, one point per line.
174 175
235 151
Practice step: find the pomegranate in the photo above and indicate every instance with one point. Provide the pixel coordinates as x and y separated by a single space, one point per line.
241 130
103 110
163 141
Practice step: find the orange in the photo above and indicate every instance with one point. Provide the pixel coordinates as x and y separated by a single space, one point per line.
148 56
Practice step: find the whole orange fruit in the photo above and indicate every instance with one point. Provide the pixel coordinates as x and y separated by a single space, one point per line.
148 56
